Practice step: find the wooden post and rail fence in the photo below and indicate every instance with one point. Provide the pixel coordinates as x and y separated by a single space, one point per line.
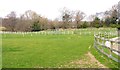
101 42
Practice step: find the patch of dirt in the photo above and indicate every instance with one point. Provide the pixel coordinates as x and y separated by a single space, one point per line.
94 60
88 61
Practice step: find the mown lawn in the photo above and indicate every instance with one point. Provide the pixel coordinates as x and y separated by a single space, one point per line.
48 50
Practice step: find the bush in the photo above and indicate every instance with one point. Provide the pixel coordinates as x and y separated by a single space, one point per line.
36 26
113 25
2 29
85 25
97 25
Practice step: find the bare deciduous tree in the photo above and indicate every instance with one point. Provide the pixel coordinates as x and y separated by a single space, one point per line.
10 21
67 17
78 17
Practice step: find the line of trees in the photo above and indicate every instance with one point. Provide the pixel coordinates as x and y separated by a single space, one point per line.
31 21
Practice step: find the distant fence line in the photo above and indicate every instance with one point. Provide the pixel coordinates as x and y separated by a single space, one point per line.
71 31
112 44
54 32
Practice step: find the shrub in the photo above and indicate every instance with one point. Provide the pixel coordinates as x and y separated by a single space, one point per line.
113 25
36 26
85 25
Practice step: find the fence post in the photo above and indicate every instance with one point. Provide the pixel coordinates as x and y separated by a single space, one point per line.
111 42
103 40
95 41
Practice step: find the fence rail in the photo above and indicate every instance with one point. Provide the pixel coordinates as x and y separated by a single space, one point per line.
102 43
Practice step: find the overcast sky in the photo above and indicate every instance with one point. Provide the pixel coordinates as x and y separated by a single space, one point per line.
51 8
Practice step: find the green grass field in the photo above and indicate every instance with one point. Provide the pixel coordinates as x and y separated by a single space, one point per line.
50 50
